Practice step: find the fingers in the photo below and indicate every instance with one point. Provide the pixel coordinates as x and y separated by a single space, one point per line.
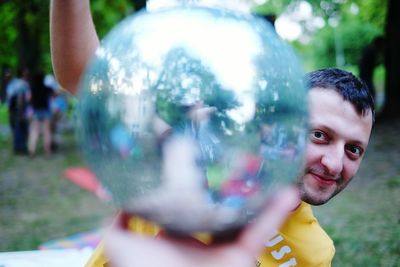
129 250
266 225
126 250
116 250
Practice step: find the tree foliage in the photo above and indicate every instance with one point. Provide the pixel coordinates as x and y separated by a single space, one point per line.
25 28
25 34
349 27
107 13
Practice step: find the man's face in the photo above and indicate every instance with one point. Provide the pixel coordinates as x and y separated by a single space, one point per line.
337 142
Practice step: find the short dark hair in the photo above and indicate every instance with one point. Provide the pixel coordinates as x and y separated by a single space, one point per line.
351 88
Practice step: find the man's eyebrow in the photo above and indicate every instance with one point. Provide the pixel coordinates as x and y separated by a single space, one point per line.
357 142
321 127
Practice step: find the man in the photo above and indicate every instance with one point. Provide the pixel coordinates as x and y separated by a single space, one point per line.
341 118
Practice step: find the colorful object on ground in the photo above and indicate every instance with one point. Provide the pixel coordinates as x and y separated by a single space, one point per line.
86 179
192 116
89 239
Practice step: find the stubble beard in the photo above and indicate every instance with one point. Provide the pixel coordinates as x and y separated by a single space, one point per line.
319 197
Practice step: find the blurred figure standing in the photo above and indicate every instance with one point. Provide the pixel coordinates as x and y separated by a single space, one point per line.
6 78
58 106
41 115
17 98
370 58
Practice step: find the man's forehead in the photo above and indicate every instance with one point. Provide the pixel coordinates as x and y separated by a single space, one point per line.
317 92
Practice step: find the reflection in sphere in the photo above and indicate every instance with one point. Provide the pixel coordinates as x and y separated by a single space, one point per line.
192 116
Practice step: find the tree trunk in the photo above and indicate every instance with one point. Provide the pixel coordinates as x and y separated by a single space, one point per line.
28 40
139 4
23 39
391 107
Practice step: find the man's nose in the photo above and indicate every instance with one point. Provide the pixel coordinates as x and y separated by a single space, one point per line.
333 159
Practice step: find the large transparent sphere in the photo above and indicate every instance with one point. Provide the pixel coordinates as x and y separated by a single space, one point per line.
191 116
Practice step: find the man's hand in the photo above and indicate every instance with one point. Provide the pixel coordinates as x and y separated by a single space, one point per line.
129 250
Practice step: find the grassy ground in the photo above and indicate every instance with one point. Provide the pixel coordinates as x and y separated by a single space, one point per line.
37 204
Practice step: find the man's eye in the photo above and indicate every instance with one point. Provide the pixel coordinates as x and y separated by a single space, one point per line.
318 135
355 150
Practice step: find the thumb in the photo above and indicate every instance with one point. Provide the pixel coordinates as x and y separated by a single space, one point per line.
265 226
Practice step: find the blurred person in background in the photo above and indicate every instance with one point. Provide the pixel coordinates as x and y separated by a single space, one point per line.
7 75
17 98
58 106
41 115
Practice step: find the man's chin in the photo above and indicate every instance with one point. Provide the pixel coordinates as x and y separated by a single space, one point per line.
315 199
314 202
313 194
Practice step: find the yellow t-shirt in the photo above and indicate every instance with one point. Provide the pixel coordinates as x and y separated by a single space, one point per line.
300 242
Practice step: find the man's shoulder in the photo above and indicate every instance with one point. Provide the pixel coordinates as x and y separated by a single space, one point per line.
300 242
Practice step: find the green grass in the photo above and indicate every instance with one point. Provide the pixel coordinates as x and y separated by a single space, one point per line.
3 114
4 128
364 225
37 204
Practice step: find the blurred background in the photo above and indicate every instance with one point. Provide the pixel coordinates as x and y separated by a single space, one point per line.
39 208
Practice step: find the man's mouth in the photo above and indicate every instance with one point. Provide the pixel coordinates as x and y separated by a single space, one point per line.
323 180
